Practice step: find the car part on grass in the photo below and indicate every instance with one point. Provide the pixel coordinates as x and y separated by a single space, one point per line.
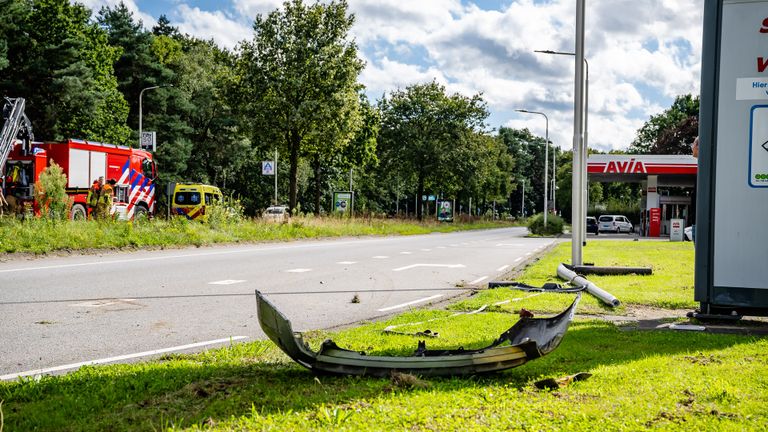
428 333
547 287
528 339
593 289
556 383
610 271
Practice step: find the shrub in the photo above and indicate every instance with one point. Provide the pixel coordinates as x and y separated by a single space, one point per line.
51 192
229 210
554 225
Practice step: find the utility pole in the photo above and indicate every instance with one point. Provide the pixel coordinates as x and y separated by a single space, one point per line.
578 140
276 202
546 160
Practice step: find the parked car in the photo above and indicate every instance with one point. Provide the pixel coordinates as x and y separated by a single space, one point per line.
592 226
615 224
278 214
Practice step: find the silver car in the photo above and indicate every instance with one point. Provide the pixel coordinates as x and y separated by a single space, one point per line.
614 224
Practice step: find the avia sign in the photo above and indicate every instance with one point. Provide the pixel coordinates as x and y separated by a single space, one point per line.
631 166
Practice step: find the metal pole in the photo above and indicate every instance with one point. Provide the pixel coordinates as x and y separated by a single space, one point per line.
276 202
584 154
141 95
546 159
522 202
578 137
554 179
352 199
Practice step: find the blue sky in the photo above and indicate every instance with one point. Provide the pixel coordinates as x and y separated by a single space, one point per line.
641 53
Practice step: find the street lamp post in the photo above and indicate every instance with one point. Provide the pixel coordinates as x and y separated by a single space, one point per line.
141 95
583 191
546 159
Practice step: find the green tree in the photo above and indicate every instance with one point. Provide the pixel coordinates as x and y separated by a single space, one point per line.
299 82
423 128
670 132
62 63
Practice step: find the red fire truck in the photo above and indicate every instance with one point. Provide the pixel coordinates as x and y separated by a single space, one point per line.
82 162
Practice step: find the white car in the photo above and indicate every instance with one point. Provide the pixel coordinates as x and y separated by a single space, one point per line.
614 224
688 233
278 214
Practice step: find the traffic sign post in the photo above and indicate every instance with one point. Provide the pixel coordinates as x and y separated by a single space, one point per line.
732 191
149 141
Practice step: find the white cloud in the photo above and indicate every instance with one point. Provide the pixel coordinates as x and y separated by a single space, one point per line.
95 5
250 8
226 31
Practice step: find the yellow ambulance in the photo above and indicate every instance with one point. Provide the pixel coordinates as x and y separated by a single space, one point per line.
191 199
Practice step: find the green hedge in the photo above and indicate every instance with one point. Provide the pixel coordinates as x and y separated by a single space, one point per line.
554 225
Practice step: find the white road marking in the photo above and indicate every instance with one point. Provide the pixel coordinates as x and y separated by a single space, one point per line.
478 280
118 358
380 257
502 268
347 262
519 259
441 247
410 303
406 253
102 303
298 270
528 254
408 267
455 245
226 282
510 244
426 250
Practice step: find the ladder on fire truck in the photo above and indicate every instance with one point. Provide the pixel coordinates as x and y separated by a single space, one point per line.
16 125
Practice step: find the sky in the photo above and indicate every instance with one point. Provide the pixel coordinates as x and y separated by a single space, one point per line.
641 54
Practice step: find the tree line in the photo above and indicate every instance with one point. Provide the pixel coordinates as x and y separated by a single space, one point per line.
292 87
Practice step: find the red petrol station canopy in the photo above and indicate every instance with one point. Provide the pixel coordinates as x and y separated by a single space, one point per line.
672 170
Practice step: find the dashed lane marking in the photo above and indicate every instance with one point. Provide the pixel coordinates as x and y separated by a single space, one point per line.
380 257
402 305
298 270
226 282
412 266
347 262
478 280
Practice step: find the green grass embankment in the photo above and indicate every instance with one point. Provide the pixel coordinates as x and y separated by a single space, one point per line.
45 236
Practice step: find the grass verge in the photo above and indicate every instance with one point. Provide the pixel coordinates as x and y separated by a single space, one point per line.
641 380
43 236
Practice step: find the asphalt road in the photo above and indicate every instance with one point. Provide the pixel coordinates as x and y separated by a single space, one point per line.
59 312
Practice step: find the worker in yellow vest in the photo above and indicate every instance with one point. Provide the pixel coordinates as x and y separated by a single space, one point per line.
93 198
105 199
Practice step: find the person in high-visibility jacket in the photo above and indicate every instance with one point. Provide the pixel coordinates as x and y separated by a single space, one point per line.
93 198
105 199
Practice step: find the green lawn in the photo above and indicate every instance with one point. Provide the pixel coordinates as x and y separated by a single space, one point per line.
641 380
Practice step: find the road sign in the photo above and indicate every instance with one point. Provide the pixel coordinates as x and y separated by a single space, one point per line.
268 168
149 140
342 202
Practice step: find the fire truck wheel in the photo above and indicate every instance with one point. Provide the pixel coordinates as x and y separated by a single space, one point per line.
78 212
141 213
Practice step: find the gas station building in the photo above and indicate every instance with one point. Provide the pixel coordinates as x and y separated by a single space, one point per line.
668 185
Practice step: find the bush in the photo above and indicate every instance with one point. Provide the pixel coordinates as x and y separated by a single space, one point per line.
51 193
554 225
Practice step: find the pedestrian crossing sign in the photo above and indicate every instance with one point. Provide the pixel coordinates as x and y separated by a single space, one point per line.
268 168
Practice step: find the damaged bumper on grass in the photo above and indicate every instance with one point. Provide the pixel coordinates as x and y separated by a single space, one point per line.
528 339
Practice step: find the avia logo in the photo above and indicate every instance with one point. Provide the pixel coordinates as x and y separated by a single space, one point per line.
764 28
631 166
